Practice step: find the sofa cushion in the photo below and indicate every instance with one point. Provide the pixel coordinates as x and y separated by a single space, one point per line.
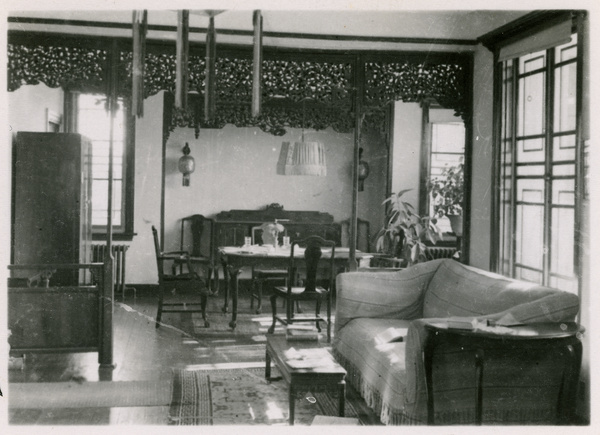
459 290
396 294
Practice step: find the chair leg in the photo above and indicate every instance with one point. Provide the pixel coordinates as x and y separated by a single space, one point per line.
329 320
209 281
317 311
160 306
252 288
203 303
274 308
216 287
259 287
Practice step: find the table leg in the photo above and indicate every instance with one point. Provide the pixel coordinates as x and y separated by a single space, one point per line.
342 399
268 366
226 278
292 398
233 279
479 355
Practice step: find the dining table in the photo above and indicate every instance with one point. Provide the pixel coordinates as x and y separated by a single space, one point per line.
235 258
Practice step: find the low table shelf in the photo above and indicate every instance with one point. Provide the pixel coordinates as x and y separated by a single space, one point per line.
327 375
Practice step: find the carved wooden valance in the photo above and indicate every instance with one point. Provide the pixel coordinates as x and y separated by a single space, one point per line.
313 94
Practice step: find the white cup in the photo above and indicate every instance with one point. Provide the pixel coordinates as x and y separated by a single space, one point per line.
247 241
286 241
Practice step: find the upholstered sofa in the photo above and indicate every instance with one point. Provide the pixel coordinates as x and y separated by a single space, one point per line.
389 374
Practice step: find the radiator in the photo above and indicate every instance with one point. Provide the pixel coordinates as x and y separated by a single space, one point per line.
433 253
119 253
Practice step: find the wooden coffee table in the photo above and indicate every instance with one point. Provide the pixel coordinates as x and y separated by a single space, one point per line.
318 371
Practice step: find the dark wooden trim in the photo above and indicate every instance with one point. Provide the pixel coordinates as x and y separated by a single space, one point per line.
45 38
359 79
548 114
390 144
168 101
285 35
425 159
580 187
523 27
465 241
496 207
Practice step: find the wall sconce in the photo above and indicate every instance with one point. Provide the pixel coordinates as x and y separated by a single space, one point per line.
187 165
363 171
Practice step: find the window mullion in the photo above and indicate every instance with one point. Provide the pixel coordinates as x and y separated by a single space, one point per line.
549 115
513 171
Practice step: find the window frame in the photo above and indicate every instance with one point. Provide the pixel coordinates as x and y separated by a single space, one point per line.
450 239
125 231
549 135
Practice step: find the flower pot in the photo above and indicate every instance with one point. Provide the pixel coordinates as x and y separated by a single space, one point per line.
456 222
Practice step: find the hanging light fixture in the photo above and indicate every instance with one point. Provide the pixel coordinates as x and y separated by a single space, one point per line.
187 165
302 158
257 64
182 55
140 28
209 77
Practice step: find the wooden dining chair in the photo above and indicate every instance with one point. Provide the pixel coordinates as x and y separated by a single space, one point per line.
178 287
315 260
197 238
262 275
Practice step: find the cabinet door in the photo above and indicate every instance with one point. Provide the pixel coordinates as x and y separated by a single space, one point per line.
232 234
47 198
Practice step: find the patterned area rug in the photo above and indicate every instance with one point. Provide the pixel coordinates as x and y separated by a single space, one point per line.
243 397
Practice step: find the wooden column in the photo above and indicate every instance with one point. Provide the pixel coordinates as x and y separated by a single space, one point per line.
105 354
358 83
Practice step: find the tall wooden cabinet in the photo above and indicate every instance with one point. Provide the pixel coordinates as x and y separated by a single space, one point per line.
51 212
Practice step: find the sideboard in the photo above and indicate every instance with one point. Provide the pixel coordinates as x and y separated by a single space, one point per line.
232 226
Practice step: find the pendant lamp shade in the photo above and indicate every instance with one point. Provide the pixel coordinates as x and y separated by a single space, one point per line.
302 158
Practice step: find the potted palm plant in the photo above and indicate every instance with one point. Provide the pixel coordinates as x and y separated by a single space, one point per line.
405 232
447 193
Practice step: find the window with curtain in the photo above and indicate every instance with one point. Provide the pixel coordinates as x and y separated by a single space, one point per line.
538 166
93 121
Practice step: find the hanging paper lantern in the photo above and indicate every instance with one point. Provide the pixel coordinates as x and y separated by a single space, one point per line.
187 165
363 171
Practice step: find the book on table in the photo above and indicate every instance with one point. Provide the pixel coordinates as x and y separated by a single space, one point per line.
467 323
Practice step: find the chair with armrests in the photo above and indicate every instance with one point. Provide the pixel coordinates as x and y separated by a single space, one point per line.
199 243
259 276
315 260
178 286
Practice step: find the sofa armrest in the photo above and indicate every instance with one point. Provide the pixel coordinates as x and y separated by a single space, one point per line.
397 294
558 307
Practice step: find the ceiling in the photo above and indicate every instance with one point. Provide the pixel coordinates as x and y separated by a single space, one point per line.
355 29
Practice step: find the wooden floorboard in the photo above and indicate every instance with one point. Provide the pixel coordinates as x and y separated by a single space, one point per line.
141 352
